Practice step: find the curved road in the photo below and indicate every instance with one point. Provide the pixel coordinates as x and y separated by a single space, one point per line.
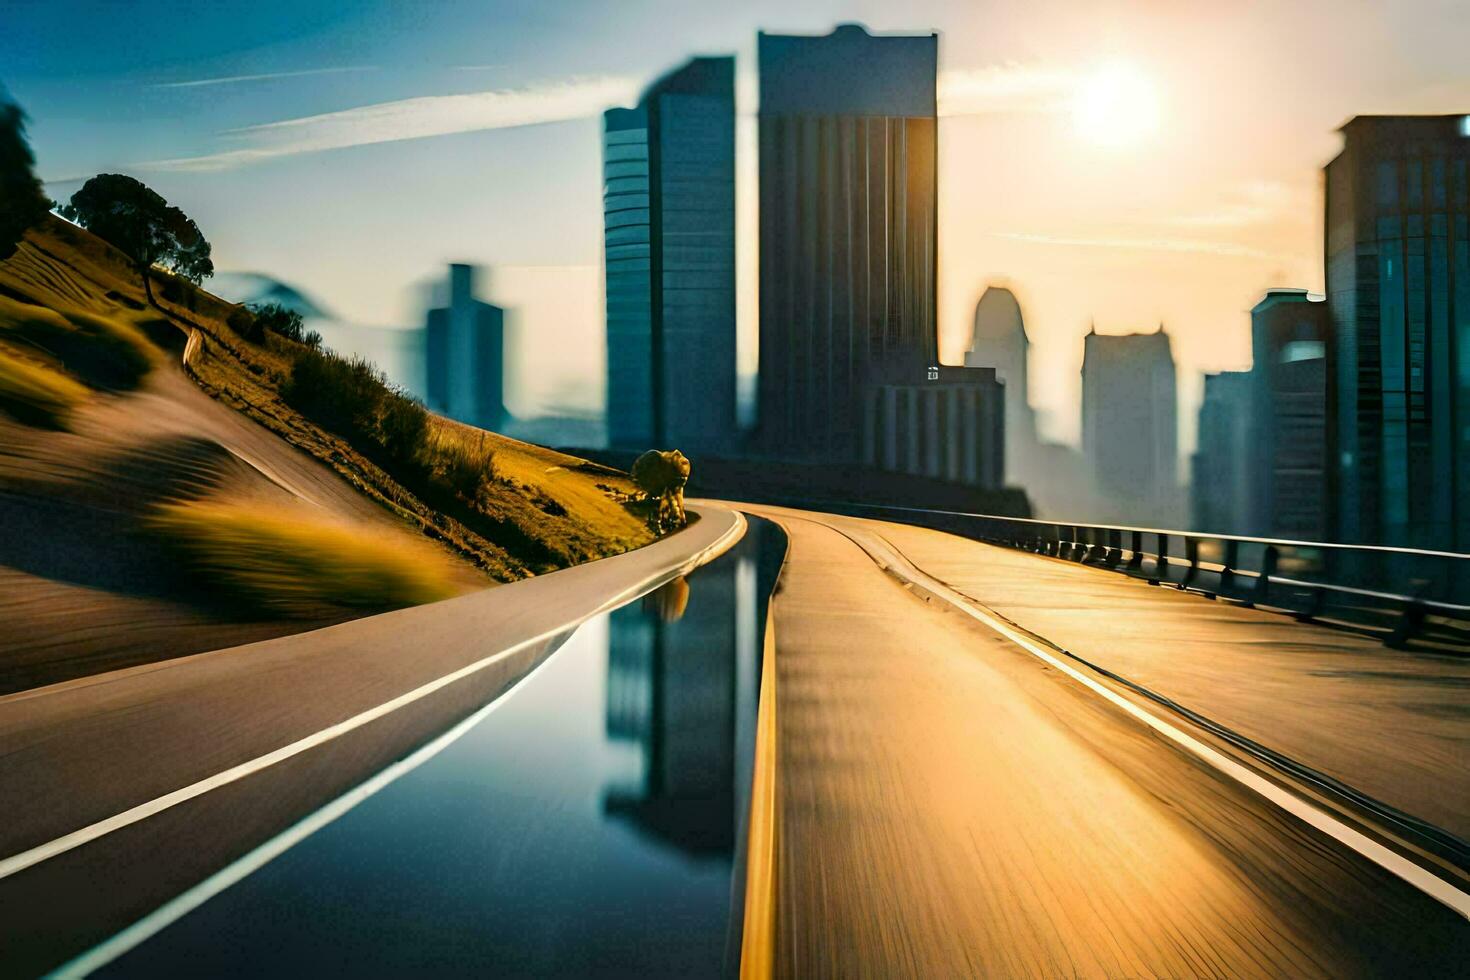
951 805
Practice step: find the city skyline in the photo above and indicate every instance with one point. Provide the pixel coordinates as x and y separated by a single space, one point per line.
1173 229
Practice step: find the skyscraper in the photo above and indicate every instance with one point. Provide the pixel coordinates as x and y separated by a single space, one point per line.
464 355
1288 416
1130 427
669 240
1220 488
999 341
1398 290
847 230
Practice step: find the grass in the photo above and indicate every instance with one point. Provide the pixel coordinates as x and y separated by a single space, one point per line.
103 352
511 508
36 394
285 565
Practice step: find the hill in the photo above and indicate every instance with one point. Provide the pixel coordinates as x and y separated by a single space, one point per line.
162 495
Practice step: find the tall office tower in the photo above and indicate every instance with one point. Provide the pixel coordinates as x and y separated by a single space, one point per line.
847 230
950 426
1288 416
464 355
1130 427
1000 342
669 240
1220 488
1398 291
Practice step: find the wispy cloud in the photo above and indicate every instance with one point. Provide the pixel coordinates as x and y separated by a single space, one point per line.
232 79
1008 87
1144 244
1252 203
416 118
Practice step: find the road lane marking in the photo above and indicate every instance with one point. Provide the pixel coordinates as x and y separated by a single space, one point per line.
243 867
1387 859
60 845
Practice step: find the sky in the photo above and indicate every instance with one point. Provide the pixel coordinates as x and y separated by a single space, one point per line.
1122 165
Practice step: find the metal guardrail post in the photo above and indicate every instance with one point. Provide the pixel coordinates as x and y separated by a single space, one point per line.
1262 591
1411 616
1232 558
1135 545
1191 551
1161 560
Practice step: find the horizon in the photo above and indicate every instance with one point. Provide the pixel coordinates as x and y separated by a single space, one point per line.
1090 161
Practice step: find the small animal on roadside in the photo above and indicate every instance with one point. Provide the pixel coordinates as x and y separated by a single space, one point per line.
661 474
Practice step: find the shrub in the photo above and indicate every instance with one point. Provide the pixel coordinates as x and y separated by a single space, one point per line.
345 395
282 564
460 463
246 325
281 321
101 351
35 394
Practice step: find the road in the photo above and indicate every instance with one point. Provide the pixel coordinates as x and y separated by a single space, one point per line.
949 804
153 777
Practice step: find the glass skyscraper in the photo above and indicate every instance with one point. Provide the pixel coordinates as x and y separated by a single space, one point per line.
847 230
669 240
1398 289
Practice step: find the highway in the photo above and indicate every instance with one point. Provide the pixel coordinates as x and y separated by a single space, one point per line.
938 789
952 805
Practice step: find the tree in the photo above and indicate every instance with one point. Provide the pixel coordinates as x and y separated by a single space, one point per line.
22 204
137 221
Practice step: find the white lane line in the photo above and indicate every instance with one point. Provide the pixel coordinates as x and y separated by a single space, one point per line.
1425 881
241 868
42 852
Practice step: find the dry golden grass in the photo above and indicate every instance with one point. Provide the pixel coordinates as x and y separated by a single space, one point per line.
539 511
36 394
292 566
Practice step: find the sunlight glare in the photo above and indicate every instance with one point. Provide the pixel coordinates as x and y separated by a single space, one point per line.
1115 105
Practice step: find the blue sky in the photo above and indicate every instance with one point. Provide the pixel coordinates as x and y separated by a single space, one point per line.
353 148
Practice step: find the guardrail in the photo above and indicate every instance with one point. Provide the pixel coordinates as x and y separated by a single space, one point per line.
1399 593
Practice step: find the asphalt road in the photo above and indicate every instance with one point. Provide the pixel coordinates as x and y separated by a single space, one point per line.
951 805
124 789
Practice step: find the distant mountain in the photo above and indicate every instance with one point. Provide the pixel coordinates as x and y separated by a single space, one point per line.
256 287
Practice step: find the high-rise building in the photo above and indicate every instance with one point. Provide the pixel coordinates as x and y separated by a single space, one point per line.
1398 291
464 355
847 230
950 426
669 240
999 341
1220 488
1288 416
1130 427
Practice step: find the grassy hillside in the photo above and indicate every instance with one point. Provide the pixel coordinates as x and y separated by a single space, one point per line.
144 456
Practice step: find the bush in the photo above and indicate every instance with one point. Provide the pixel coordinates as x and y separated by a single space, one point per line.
101 351
461 464
280 321
35 394
285 565
247 325
344 395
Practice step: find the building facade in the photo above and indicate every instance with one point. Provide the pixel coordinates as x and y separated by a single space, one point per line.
1130 427
1398 359
847 230
950 426
669 246
1288 416
999 341
1220 484
464 356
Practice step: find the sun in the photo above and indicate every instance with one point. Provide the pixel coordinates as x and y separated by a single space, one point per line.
1115 105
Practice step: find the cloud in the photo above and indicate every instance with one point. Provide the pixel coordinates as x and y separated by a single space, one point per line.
1146 244
1251 203
415 118
232 79
1008 87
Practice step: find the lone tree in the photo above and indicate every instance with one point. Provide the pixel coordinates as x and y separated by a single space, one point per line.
147 229
22 204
